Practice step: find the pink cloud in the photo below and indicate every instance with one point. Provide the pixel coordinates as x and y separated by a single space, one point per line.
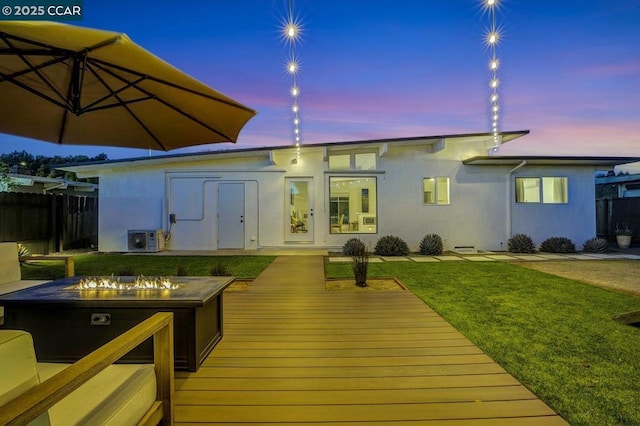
630 68
563 138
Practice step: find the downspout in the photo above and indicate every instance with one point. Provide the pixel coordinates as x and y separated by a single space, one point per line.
510 189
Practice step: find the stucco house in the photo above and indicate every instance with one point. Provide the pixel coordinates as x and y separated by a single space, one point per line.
275 197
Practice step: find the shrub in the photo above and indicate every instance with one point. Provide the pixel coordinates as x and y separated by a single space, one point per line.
431 244
182 271
624 229
126 271
353 247
360 267
23 251
596 245
521 243
390 245
220 270
558 245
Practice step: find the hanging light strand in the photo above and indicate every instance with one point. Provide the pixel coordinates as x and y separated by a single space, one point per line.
292 35
492 39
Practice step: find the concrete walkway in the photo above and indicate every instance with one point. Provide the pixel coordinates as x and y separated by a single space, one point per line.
294 353
449 257
493 257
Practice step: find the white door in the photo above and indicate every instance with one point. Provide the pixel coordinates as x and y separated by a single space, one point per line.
231 218
299 206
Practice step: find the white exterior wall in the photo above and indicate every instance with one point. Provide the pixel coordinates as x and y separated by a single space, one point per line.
129 198
482 213
474 192
575 220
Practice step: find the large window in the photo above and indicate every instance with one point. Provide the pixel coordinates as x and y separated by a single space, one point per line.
435 191
352 205
548 190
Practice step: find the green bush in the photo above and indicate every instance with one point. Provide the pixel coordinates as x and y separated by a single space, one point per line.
596 245
23 250
354 247
431 245
360 267
521 243
182 271
220 270
558 245
126 271
390 245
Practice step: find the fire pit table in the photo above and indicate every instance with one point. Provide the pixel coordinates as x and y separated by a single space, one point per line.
67 322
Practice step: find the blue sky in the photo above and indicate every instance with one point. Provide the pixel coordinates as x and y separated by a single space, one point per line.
371 69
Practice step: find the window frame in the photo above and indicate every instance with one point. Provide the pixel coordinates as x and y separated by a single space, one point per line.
436 191
541 192
352 161
372 204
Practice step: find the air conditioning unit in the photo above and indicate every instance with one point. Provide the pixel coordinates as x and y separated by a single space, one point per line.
147 241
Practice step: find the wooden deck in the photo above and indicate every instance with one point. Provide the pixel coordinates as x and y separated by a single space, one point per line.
293 353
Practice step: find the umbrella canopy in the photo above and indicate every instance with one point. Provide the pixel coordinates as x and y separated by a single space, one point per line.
81 86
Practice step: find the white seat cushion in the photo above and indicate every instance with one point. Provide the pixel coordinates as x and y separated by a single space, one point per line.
9 263
119 395
18 371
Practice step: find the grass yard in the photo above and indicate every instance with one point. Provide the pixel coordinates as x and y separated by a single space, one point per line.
244 267
553 334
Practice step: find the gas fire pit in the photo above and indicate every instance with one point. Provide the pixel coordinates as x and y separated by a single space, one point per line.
115 283
71 317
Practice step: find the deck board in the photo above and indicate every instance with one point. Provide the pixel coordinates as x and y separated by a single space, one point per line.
293 353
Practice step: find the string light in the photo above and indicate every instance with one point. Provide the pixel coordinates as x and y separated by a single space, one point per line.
291 31
492 39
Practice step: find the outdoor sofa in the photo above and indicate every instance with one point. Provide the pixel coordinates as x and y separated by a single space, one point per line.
10 277
91 391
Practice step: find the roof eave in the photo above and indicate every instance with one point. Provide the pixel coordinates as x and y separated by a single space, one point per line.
548 160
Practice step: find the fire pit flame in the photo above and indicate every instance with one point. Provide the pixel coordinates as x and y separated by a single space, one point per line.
141 283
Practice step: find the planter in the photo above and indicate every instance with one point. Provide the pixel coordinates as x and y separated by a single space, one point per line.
624 241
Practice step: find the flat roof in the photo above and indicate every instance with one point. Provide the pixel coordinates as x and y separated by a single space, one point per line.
548 161
265 151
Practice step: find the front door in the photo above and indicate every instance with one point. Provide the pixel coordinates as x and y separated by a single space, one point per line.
299 206
231 216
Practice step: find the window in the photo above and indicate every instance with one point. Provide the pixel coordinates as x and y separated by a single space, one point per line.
554 190
340 162
366 161
436 191
548 190
527 190
352 205
359 161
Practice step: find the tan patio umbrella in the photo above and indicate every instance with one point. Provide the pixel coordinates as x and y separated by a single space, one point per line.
81 86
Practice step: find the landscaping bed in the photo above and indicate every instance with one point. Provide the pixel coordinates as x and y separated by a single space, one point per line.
373 284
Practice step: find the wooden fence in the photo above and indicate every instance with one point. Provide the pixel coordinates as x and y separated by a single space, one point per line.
616 212
49 223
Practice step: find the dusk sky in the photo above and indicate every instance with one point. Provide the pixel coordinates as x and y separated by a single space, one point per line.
570 69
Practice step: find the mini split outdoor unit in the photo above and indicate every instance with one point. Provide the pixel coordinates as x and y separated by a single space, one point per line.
148 241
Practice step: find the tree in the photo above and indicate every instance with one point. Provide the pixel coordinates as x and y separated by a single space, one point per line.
5 180
43 166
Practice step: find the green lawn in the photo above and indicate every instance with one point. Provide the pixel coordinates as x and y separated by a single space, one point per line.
553 334
244 267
